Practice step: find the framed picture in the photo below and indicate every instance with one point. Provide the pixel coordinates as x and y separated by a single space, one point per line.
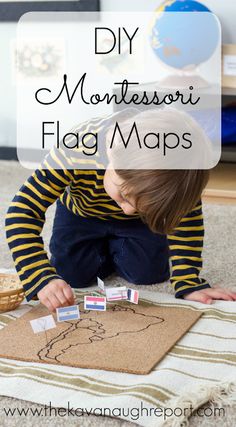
37 58
13 10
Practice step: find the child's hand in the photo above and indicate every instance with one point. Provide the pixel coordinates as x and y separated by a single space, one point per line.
207 295
57 293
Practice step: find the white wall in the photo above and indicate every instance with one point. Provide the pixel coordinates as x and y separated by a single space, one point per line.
226 11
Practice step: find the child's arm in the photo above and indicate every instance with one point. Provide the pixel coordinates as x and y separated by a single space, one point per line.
186 245
24 222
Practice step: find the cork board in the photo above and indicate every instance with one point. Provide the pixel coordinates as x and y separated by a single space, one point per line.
127 337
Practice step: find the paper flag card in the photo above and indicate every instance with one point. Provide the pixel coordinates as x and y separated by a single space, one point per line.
133 295
68 313
116 294
94 303
101 284
42 324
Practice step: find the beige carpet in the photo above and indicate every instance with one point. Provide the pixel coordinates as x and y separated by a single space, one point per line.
219 268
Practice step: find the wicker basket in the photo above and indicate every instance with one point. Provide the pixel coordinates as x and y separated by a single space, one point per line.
10 299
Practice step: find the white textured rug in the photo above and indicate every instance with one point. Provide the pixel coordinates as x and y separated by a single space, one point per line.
201 366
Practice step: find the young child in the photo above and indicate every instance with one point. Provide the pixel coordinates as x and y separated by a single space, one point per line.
128 221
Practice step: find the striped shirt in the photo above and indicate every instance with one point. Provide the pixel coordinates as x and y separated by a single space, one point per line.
82 192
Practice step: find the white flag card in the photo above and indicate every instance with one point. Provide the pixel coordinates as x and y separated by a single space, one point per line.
101 284
116 294
42 324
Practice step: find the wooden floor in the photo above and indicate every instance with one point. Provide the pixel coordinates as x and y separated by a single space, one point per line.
221 187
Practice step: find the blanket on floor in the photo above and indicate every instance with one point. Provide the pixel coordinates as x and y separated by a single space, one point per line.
201 367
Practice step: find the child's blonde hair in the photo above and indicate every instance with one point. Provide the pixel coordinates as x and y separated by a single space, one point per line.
162 196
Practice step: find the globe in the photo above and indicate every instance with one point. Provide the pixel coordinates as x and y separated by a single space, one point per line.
182 43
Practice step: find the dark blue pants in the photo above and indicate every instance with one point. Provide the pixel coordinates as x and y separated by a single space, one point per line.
84 248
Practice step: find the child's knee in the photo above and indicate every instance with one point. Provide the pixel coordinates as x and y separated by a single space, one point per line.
144 275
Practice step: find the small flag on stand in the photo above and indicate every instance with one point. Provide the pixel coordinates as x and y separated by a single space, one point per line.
42 324
95 303
133 296
101 285
116 294
68 313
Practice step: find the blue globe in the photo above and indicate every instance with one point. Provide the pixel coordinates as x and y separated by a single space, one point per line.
179 42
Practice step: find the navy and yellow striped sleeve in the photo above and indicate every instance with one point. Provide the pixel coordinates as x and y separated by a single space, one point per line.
186 245
24 222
